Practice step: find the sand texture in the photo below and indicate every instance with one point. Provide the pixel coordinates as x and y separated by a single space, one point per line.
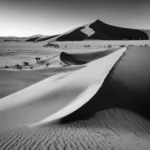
113 129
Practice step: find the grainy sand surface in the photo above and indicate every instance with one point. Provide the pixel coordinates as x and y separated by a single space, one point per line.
113 129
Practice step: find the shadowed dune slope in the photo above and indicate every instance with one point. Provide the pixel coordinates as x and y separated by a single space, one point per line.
82 58
126 86
108 32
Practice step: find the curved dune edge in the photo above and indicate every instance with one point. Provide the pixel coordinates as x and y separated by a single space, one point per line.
83 58
41 100
86 95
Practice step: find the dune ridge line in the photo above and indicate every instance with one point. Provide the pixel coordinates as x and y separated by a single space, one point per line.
42 102
87 94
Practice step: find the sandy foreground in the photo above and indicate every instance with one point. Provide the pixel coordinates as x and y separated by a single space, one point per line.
30 118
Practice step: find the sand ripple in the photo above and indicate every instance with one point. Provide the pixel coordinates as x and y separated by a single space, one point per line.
114 129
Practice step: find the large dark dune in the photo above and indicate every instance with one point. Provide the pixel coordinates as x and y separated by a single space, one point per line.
83 58
103 31
127 86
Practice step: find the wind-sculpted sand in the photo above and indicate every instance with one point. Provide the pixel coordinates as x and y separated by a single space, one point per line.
65 92
113 129
86 107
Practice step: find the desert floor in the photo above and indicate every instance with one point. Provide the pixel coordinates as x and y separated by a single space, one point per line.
112 129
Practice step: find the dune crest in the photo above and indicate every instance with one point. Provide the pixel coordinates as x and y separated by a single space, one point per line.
67 91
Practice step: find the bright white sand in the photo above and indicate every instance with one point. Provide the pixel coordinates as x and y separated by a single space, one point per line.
88 31
89 84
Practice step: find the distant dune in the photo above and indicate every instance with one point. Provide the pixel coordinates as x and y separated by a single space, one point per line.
33 38
99 30
13 39
44 38
96 30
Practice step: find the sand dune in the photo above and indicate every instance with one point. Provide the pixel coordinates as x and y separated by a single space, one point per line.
98 106
108 32
127 86
79 33
55 93
96 30
13 80
83 58
45 38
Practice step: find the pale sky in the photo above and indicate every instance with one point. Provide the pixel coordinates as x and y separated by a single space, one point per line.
49 17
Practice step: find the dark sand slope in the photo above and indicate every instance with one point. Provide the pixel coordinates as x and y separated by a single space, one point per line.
82 58
13 39
127 86
108 32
